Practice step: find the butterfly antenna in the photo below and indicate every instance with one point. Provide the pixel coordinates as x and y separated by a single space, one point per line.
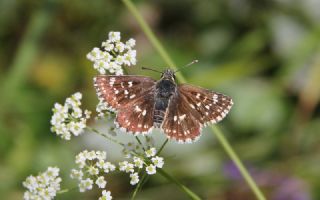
145 68
187 65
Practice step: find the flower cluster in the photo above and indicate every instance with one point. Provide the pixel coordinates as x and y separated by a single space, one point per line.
69 119
113 55
44 186
92 166
149 160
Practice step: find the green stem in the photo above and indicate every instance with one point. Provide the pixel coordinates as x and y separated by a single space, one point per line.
139 186
162 146
103 135
153 39
227 147
180 185
140 143
163 53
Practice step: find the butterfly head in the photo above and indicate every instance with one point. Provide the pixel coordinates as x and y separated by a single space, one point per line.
168 74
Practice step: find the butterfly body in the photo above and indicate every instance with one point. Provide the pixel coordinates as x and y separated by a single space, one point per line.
142 104
165 89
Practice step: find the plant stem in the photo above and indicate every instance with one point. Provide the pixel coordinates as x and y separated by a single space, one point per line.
163 53
103 135
153 39
180 185
139 186
162 146
137 138
227 147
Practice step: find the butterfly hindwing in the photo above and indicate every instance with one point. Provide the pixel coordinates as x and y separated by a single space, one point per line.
118 91
209 106
137 116
179 123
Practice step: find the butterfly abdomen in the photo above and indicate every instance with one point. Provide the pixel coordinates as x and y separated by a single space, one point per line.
164 90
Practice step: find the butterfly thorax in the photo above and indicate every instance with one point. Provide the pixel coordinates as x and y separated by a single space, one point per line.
165 88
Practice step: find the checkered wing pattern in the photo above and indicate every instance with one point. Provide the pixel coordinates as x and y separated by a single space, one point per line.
190 109
131 97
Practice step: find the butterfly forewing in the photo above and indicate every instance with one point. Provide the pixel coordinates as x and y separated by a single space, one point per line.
191 108
118 91
132 97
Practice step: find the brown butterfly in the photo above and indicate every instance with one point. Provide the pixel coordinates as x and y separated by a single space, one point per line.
142 103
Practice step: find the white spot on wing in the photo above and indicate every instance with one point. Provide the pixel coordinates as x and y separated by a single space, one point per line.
175 118
182 117
137 109
144 112
192 106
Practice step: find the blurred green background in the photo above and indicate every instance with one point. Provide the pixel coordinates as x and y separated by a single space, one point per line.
264 54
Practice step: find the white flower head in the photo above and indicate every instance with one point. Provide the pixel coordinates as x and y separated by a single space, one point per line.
134 178
76 174
85 185
69 119
114 55
92 167
114 36
138 162
44 186
157 161
151 169
151 152
106 195
126 167
101 183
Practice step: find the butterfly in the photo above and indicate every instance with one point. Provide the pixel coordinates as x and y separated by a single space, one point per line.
142 103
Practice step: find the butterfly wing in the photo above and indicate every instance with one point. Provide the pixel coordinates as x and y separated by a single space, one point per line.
191 108
132 97
118 91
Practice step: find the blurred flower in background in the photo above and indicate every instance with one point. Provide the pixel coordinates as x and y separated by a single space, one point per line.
277 185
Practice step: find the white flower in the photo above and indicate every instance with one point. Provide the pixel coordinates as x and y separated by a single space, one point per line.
157 161
130 58
114 55
138 162
44 186
126 166
85 185
114 36
95 54
93 170
76 174
108 167
131 43
108 45
69 119
151 169
106 195
101 183
119 47
134 178
151 152
91 164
